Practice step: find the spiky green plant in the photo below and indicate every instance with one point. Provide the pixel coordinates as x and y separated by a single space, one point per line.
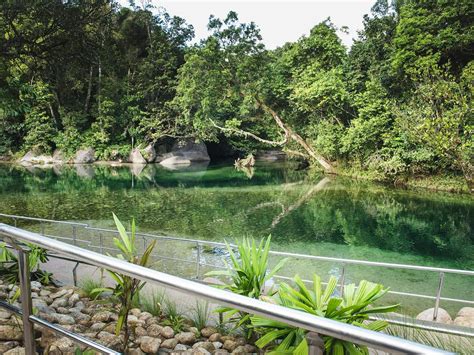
127 288
153 303
201 314
353 308
9 264
90 286
246 275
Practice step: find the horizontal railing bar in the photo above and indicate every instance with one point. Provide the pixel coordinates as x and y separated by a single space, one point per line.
289 316
293 255
305 256
76 337
428 326
44 220
10 308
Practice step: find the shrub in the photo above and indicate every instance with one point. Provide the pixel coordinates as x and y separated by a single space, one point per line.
247 274
354 307
127 288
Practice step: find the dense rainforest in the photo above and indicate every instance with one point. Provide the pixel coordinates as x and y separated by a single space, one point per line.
91 73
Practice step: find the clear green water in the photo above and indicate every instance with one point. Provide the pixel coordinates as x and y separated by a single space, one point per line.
333 217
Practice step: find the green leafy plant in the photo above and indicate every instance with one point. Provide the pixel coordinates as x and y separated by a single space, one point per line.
9 264
354 307
127 288
246 275
176 322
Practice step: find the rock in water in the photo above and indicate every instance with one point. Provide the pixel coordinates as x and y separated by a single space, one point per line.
465 317
85 156
186 150
177 160
149 153
136 157
443 316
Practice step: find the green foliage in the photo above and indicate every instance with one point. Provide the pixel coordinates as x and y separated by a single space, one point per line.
354 307
153 303
89 287
174 318
397 104
247 274
38 122
201 314
451 343
127 288
9 267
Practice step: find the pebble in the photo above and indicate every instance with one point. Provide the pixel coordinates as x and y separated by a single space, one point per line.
149 344
186 337
167 332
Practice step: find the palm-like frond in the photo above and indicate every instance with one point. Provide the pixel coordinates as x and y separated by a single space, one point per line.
353 308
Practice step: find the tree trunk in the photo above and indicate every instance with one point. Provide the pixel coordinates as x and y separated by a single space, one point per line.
89 91
298 139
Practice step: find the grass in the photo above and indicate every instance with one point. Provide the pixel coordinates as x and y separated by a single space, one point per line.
88 286
153 303
201 315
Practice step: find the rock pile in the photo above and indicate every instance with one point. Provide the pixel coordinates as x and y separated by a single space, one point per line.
97 320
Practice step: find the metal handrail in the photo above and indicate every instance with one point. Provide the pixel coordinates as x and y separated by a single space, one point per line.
289 316
198 243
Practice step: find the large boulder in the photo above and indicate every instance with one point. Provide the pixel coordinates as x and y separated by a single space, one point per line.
136 157
271 155
184 152
84 156
175 160
191 150
31 158
58 157
443 316
149 153
465 317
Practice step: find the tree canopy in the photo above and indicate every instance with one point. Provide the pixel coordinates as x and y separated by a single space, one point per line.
92 73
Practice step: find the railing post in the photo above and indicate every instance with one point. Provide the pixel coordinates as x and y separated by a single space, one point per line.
101 243
438 295
42 228
26 303
315 344
343 278
74 235
198 260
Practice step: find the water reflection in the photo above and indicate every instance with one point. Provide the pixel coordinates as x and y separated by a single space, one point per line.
325 216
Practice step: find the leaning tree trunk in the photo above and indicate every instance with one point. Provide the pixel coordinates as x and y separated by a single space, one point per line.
289 134
298 139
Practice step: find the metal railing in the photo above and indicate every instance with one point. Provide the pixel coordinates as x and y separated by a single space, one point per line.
315 325
199 244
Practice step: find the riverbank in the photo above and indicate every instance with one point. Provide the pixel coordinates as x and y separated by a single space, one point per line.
444 183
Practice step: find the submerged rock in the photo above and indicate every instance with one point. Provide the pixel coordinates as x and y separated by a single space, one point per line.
175 160
443 316
465 317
